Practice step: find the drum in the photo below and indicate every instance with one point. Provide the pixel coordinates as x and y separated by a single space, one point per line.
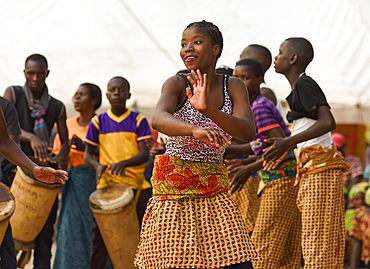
115 213
34 200
7 206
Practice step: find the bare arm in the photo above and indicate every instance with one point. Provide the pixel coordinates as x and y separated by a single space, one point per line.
234 151
269 94
93 163
14 154
65 146
325 123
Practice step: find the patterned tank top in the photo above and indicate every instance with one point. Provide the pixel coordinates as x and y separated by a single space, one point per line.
190 148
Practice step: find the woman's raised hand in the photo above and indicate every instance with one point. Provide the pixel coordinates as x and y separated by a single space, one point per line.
198 98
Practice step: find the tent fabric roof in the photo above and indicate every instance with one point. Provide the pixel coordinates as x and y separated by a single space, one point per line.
92 41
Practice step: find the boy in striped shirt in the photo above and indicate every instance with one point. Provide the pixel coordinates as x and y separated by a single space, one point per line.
276 234
120 135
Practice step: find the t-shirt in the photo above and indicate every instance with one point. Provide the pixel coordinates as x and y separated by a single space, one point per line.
11 117
118 138
305 98
266 117
76 157
27 123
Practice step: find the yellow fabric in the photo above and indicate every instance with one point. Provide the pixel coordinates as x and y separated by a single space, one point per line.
107 179
118 147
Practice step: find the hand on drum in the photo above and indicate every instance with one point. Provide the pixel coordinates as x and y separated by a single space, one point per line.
50 175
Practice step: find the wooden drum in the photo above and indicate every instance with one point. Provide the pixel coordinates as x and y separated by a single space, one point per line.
34 200
7 206
115 213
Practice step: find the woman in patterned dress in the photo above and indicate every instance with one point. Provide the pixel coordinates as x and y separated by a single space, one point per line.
191 221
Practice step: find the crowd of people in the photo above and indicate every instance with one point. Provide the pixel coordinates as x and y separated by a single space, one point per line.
233 183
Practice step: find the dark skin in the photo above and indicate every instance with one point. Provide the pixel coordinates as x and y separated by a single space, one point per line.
288 63
242 173
251 53
155 147
36 73
117 95
14 154
200 55
84 104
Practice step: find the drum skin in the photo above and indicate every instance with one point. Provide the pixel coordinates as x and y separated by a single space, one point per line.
33 200
115 213
7 206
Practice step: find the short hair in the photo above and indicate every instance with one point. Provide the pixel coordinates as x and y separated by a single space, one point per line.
37 58
303 48
95 93
262 54
224 69
212 30
125 80
252 64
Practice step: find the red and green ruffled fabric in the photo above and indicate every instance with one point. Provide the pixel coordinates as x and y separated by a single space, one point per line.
174 178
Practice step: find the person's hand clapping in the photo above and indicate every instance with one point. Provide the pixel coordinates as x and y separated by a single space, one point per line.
240 176
77 144
210 135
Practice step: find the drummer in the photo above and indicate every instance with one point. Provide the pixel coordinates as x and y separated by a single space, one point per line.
38 111
10 150
120 134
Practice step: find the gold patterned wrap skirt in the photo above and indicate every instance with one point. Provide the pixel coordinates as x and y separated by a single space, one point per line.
277 233
321 202
193 227
247 202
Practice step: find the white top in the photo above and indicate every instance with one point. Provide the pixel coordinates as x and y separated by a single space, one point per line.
303 124
278 104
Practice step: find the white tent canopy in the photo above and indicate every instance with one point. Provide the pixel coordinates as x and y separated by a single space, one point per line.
92 41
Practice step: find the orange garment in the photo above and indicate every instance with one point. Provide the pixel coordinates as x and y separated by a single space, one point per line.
76 157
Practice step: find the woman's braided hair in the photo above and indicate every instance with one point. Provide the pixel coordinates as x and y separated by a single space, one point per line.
212 30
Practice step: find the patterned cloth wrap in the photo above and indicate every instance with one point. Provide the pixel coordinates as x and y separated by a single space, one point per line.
361 230
174 178
287 168
314 160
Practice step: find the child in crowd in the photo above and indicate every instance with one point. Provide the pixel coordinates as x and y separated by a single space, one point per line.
191 221
263 56
320 165
358 225
353 176
120 134
277 232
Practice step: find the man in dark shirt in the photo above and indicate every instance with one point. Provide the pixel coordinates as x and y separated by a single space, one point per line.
38 112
